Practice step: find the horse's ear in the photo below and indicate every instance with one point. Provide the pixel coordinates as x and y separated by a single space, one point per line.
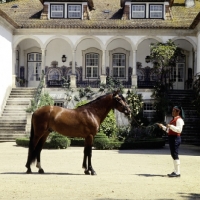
115 93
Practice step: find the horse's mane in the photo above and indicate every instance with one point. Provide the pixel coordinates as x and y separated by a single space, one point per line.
93 101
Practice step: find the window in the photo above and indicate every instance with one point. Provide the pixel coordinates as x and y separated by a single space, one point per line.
59 103
57 11
138 11
148 110
92 64
34 66
74 11
156 11
119 63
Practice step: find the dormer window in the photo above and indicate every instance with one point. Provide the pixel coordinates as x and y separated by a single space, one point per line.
156 11
145 10
74 11
57 11
64 10
138 11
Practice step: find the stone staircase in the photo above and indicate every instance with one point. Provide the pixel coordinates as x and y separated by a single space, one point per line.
13 119
191 130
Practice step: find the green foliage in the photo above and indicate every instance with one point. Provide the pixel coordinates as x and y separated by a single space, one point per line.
101 141
77 142
84 92
161 102
108 126
54 141
111 85
32 107
42 99
163 56
58 141
80 103
135 103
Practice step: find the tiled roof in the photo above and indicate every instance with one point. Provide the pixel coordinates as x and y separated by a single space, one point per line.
27 15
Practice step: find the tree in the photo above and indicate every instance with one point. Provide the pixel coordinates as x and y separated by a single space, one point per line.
163 56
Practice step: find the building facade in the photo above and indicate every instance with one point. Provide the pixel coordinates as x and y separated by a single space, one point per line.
86 41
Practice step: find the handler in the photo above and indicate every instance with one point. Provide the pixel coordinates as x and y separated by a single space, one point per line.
174 129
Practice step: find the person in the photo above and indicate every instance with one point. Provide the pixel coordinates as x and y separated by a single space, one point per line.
174 129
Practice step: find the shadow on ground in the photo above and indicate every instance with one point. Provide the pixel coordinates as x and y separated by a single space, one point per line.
190 150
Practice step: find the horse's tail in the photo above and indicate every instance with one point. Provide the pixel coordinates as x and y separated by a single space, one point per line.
32 151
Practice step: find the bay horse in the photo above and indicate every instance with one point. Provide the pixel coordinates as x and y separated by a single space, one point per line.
83 122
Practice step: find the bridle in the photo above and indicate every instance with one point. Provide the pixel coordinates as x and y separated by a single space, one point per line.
120 100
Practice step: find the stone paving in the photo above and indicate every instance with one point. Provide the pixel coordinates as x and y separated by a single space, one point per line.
124 174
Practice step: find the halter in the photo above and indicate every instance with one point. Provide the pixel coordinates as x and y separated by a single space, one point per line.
119 101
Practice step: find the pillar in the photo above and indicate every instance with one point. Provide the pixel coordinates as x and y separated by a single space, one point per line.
134 72
103 69
13 68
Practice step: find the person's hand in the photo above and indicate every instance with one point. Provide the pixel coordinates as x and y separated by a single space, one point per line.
160 125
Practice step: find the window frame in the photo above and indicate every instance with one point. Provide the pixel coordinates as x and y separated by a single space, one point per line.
148 110
138 5
91 66
80 17
63 12
119 67
162 11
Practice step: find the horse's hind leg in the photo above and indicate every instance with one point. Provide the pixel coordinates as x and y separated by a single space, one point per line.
88 154
38 152
31 154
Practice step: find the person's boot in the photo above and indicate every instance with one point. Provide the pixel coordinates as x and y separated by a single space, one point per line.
176 172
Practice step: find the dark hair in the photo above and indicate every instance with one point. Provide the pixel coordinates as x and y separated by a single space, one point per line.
182 114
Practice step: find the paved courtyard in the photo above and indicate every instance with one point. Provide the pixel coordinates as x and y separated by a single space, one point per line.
124 174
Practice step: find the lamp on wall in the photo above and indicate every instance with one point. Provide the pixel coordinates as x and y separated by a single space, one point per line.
64 58
147 59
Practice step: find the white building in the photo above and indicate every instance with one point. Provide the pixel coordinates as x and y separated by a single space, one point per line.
98 38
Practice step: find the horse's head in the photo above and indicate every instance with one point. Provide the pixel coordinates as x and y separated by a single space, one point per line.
120 104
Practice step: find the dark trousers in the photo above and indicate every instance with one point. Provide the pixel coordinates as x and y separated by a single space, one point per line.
174 143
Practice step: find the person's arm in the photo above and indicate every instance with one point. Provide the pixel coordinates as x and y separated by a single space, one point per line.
164 128
179 126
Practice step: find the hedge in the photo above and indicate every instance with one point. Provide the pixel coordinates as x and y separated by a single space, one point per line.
100 143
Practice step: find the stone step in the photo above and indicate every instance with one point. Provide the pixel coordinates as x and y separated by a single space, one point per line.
15 102
9 137
12 114
16 107
3 120
12 124
27 96
12 130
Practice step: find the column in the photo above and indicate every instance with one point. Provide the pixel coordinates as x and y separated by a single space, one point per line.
198 52
73 75
134 73
13 68
43 65
103 69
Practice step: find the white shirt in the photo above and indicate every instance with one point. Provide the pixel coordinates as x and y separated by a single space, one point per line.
178 128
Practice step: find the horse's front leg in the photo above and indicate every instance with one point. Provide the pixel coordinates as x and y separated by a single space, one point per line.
88 155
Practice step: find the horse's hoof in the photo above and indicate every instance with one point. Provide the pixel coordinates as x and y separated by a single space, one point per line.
29 171
93 173
41 171
87 172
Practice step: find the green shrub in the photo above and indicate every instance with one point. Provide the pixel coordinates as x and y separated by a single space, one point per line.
108 126
54 141
58 141
101 141
24 142
78 142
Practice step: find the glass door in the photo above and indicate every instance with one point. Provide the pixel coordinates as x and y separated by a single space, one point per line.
34 69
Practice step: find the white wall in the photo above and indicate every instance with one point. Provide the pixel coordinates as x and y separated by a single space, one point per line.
5 64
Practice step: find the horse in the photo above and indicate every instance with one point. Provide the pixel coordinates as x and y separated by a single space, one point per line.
84 122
